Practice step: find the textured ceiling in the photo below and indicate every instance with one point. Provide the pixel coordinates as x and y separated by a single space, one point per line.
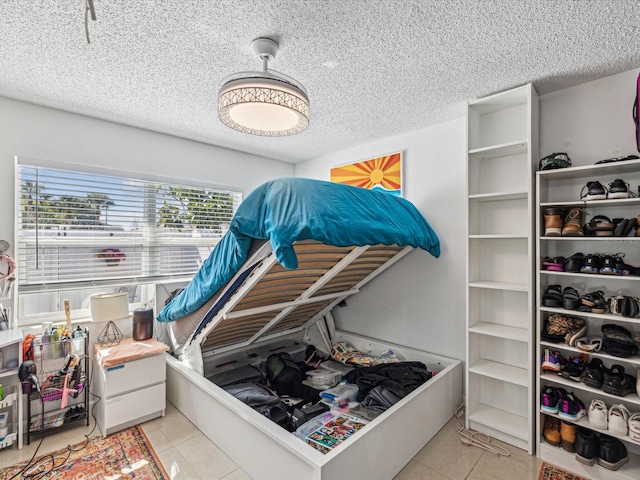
373 68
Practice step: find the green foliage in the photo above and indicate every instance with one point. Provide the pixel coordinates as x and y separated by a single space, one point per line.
67 210
185 209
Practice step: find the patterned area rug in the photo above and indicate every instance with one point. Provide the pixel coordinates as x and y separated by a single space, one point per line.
551 472
122 455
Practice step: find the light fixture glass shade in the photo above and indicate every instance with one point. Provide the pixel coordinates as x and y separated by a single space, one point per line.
263 103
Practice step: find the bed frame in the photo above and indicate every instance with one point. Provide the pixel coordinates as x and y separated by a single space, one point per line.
266 306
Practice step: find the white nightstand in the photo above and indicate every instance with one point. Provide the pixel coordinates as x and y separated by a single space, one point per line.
130 380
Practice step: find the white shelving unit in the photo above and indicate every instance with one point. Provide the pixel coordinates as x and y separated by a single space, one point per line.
11 347
562 188
502 143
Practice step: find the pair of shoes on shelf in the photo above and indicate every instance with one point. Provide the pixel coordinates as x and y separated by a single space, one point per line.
553 264
565 404
560 433
617 382
617 419
597 263
594 302
563 328
573 369
625 305
599 226
594 190
589 344
617 341
563 223
610 452
603 226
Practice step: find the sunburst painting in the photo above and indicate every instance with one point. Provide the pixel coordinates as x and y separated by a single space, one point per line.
380 173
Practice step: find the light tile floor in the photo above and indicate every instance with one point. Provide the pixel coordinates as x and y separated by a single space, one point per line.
187 454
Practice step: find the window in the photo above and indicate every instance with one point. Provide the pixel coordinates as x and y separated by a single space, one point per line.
86 231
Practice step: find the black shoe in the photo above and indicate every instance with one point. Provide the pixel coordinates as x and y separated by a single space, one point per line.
591 264
587 446
552 296
594 191
613 454
619 189
594 373
610 266
575 367
616 382
574 263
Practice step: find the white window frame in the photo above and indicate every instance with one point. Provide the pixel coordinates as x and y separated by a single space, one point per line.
148 285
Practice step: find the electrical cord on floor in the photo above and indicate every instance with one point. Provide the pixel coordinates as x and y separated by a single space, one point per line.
30 462
476 439
40 468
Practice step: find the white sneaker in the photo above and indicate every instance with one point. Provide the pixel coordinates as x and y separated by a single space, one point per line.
634 427
598 414
619 419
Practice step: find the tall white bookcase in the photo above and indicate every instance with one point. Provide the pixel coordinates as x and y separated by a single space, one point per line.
502 151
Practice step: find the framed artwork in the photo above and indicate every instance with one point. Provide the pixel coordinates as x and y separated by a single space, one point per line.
381 173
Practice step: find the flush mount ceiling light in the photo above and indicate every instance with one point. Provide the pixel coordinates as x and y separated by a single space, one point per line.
264 103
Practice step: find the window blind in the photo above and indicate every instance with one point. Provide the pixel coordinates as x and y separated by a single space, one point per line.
77 229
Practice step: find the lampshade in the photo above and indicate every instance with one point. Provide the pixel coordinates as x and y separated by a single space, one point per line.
264 103
109 306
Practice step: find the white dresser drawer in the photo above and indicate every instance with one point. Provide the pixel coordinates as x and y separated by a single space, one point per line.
134 375
134 405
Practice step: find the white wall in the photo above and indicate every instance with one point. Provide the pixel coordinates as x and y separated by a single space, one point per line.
40 132
420 302
591 121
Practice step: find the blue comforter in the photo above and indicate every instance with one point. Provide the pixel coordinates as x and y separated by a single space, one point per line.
290 209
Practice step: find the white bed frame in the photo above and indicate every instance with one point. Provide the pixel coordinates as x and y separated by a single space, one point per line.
273 306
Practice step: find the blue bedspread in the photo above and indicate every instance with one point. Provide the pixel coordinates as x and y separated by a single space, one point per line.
290 209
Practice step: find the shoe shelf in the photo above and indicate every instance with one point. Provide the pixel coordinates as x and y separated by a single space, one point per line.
560 457
602 278
635 360
570 385
587 171
605 317
606 240
562 188
613 202
584 422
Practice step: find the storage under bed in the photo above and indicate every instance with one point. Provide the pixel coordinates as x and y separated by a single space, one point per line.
264 450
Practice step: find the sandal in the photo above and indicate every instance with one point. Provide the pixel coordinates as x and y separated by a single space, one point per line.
552 296
574 263
595 301
599 226
589 344
570 299
592 263
554 264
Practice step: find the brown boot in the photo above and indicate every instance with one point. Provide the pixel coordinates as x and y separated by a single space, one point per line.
638 226
573 223
552 222
568 436
552 431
